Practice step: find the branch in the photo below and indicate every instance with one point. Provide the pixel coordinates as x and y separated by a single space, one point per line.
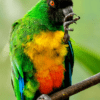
65 93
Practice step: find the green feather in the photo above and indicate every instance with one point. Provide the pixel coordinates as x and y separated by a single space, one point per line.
16 87
15 71
30 88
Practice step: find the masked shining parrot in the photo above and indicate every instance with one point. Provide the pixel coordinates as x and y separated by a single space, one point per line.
41 53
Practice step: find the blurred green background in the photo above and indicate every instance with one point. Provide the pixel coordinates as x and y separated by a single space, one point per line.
86 35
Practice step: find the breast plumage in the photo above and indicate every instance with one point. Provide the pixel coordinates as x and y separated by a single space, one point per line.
47 52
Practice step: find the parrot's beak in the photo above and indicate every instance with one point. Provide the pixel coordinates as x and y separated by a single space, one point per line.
68 10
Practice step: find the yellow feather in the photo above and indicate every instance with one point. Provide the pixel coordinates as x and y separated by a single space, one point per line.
46 49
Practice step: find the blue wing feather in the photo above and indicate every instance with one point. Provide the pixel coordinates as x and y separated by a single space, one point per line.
21 86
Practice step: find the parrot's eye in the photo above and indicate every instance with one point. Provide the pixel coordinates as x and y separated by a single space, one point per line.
52 3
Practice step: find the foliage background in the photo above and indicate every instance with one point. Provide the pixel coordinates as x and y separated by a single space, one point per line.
86 35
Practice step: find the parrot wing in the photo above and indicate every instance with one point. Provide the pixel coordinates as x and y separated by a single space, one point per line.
69 63
17 73
22 76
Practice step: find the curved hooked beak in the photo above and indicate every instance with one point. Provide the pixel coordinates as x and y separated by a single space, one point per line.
67 10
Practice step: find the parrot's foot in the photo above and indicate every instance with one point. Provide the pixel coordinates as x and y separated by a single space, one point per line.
69 17
67 21
44 97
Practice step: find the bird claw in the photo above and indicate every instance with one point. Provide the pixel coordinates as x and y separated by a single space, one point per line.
69 16
67 21
69 29
44 97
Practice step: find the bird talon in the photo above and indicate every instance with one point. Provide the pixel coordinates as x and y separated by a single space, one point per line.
68 22
74 22
69 29
69 16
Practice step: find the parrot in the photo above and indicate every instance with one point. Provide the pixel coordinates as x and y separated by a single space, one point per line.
41 52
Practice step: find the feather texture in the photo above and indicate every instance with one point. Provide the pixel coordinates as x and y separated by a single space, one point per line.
28 69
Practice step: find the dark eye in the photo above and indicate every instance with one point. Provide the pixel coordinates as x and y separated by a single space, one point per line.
52 3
